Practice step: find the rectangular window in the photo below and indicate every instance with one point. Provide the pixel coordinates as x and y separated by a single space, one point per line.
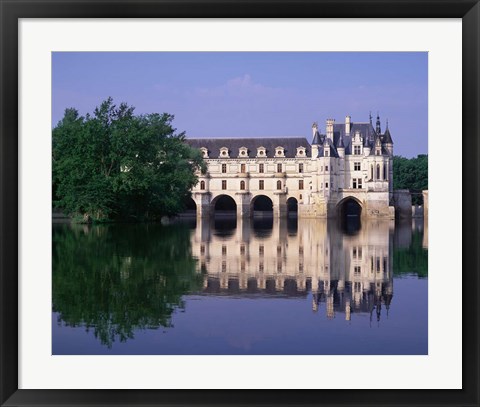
356 166
224 184
356 150
261 184
327 153
261 250
300 168
357 183
224 168
279 167
326 168
326 185
261 168
357 270
242 168
300 184
224 250
300 197
242 249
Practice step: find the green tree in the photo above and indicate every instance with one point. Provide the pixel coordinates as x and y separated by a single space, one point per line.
116 165
411 174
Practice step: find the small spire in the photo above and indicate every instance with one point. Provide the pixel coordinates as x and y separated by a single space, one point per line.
387 124
370 117
378 129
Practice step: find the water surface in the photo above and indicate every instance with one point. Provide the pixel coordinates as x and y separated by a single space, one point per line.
227 286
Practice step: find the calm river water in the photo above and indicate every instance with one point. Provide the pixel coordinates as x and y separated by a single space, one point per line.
226 286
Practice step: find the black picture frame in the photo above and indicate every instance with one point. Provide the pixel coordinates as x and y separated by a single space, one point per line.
12 10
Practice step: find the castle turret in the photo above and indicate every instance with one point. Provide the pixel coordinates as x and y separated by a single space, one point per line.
388 142
366 146
340 147
316 140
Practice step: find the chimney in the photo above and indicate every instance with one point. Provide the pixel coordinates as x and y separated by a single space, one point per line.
347 124
330 123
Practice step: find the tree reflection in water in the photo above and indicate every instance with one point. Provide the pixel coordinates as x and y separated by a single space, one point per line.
119 278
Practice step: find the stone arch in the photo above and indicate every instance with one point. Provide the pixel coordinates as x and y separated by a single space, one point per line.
223 204
261 205
190 206
341 205
292 205
349 214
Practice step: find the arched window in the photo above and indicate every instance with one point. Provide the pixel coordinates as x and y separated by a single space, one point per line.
378 171
371 171
242 185
385 171
279 184
202 184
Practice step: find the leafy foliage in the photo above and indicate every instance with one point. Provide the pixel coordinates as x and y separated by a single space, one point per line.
411 174
116 165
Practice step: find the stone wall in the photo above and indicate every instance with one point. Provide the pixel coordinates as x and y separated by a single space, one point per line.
402 201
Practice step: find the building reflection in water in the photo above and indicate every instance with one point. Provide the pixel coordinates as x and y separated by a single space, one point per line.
345 273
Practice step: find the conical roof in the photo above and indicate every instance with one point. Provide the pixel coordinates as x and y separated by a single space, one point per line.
387 138
316 139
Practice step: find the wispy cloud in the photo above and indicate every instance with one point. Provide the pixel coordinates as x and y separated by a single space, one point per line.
240 87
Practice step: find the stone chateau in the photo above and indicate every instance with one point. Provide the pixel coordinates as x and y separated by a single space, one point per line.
347 170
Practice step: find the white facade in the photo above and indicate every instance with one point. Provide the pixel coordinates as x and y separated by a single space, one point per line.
351 162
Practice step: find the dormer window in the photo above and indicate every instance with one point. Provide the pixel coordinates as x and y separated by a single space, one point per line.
204 152
301 152
279 152
261 152
224 152
243 152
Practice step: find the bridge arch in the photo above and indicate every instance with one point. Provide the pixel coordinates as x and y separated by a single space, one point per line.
350 206
349 213
292 205
223 204
190 206
261 205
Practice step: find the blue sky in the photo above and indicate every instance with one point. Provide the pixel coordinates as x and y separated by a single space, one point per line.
247 94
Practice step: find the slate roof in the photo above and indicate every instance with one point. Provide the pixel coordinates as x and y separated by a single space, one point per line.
213 145
366 130
317 138
387 138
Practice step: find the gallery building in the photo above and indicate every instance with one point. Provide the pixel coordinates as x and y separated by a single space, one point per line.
346 170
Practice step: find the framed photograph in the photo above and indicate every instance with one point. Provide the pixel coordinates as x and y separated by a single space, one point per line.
175 230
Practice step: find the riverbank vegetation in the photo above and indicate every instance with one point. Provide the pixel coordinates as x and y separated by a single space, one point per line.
115 165
411 174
